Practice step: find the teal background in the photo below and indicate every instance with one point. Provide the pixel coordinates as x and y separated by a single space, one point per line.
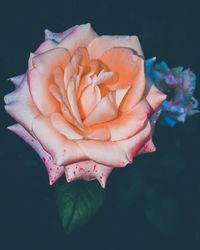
153 204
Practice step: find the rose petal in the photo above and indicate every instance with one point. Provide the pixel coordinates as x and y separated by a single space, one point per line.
62 150
39 78
104 152
104 111
20 105
120 93
59 36
134 144
54 171
64 127
135 92
88 100
88 170
100 44
45 46
17 80
155 97
81 37
99 132
131 73
129 124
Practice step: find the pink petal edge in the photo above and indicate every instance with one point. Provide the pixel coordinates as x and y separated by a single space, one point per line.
54 171
88 170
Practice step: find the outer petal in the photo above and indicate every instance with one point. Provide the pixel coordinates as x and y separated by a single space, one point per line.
21 106
53 170
39 76
88 170
149 146
17 80
62 150
45 46
106 153
155 97
100 44
57 37
130 123
134 144
116 154
81 37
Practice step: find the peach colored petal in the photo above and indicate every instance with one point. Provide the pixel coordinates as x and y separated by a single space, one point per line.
88 100
155 97
71 94
64 127
20 106
131 73
130 123
85 81
62 150
102 43
104 111
54 171
81 37
136 91
120 93
45 46
99 132
39 78
134 144
104 152
88 170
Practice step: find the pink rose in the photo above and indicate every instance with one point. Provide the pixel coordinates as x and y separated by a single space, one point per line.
84 104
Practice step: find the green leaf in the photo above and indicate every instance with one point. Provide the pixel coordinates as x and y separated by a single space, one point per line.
77 202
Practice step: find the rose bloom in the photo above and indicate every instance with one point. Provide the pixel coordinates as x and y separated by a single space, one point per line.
84 104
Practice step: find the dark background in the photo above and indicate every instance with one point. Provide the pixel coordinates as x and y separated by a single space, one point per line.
162 208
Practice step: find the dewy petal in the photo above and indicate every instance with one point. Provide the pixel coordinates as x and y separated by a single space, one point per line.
155 97
20 106
130 123
88 170
53 170
62 150
104 111
64 127
102 43
17 80
81 37
57 37
39 78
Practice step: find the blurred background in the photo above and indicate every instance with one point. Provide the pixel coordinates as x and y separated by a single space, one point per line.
153 204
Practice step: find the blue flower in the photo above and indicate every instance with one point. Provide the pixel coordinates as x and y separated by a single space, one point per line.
179 84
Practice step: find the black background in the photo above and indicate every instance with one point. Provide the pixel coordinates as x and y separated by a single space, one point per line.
30 220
